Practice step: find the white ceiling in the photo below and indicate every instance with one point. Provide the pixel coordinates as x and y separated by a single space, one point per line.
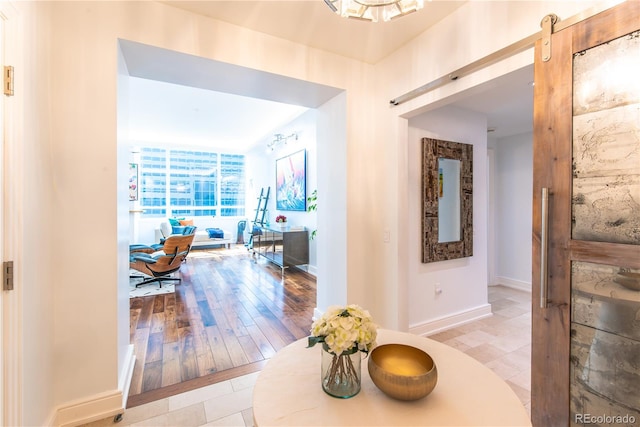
170 113
178 98
506 101
174 96
312 23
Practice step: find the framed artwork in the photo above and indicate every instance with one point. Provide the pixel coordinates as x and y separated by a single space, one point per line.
133 181
291 182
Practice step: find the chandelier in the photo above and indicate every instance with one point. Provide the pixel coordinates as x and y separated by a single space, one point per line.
374 10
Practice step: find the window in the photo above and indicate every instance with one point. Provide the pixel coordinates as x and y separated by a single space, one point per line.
191 183
231 185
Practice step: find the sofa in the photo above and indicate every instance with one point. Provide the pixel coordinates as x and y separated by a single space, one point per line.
205 236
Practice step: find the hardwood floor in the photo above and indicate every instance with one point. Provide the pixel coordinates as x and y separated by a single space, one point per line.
501 342
229 315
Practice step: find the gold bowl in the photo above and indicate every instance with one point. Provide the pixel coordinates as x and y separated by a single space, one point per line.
402 372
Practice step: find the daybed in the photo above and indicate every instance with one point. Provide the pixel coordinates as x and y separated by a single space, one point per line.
208 236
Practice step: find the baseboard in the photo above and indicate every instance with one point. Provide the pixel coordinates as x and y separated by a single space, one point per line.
447 322
98 407
51 421
127 375
102 405
312 269
307 268
513 283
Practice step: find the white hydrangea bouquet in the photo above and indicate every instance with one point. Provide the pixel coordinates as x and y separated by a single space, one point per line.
343 332
342 328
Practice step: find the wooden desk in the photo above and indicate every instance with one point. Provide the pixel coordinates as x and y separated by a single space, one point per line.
288 393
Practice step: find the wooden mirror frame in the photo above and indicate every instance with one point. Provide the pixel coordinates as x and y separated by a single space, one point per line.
432 249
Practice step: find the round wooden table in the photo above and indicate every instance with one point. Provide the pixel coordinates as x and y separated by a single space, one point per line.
288 392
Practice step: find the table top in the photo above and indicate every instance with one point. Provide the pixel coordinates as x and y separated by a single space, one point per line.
288 392
277 228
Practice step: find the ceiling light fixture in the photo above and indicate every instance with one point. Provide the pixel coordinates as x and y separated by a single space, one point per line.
278 139
374 10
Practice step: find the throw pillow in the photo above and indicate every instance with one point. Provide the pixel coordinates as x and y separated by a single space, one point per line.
215 233
186 222
177 230
175 221
189 229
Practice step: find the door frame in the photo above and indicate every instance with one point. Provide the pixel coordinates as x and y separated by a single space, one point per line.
11 212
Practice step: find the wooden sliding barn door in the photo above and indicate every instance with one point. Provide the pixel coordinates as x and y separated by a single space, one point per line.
586 223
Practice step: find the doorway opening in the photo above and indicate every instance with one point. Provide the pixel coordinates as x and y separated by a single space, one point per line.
152 63
482 304
503 169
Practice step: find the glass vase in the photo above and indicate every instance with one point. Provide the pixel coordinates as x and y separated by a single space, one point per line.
341 373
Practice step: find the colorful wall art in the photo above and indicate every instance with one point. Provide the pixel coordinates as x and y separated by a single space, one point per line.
133 181
291 182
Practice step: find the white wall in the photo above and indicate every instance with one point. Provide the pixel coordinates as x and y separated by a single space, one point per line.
473 31
463 282
261 173
36 275
513 205
75 318
332 201
72 308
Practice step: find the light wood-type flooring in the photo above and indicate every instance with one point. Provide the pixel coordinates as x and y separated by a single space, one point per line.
227 317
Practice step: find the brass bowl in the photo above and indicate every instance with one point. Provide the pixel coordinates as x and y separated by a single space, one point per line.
402 372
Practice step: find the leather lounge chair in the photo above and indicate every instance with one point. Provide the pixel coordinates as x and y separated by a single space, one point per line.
160 263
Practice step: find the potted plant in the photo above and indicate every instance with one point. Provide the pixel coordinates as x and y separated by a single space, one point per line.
312 206
281 220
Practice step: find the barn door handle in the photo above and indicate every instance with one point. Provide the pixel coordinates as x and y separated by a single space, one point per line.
544 240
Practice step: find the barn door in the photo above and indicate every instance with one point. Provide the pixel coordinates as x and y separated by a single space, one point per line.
586 223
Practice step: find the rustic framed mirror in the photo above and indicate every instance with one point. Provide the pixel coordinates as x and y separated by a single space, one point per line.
447 200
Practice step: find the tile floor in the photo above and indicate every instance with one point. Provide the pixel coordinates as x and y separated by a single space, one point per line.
502 342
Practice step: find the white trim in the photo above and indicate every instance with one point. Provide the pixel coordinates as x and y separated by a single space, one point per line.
513 283
127 375
51 419
11 361
312 269
491 215
447 322
100 406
